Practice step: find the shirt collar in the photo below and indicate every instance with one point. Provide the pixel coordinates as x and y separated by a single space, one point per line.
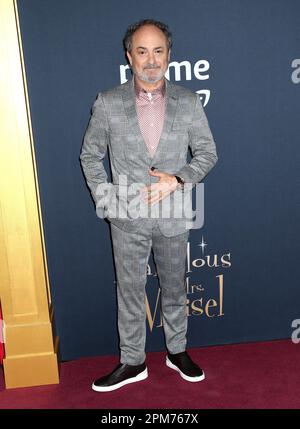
140 91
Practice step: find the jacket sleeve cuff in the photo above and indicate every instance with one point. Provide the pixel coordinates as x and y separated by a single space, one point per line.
188 174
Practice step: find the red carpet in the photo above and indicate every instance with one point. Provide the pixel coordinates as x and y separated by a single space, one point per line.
254 375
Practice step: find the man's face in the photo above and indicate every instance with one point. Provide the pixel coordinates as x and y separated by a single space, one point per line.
149 56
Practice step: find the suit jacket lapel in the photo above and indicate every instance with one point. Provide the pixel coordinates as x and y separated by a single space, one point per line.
130 109
170 112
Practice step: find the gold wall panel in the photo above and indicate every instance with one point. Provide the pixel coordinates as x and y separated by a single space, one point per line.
30 355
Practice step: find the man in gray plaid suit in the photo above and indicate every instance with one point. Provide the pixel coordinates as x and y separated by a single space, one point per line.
148 124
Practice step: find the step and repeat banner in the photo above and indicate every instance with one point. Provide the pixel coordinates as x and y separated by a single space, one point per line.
243 59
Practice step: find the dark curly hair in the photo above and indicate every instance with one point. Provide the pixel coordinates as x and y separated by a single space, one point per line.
127 41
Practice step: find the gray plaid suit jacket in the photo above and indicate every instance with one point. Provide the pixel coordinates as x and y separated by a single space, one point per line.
114 125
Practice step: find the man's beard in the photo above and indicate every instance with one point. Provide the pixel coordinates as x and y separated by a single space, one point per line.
148 79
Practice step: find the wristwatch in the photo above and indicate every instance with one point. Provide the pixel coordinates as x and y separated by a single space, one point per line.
180 182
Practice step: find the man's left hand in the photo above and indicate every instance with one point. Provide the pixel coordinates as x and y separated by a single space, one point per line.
158 191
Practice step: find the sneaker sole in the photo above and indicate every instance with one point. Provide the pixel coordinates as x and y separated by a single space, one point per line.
185 377
140 377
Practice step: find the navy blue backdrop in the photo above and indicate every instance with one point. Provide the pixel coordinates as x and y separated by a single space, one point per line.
242 282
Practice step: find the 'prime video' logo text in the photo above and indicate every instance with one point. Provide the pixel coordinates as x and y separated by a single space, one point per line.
183 70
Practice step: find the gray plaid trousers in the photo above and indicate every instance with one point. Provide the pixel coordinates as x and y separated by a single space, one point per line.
131 254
